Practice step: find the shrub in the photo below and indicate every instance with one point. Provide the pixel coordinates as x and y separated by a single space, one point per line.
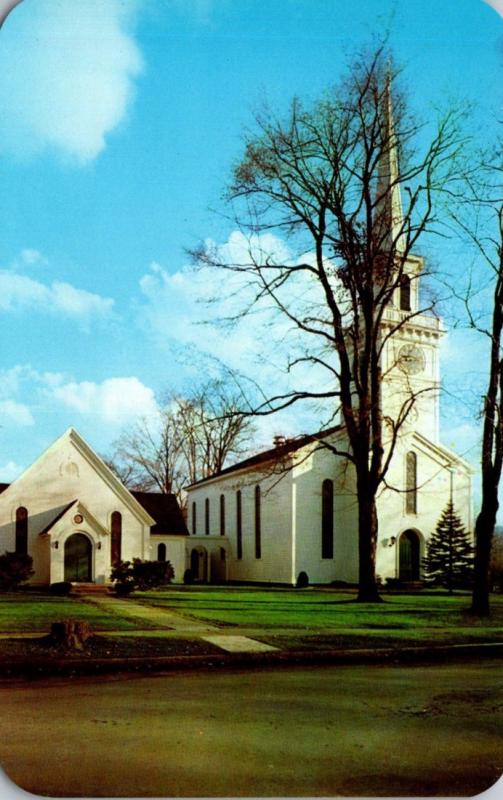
302 580
142 575
61 588
122 575
188 577
15 568
150 574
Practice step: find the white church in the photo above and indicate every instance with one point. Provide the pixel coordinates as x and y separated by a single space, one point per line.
292 508
286 511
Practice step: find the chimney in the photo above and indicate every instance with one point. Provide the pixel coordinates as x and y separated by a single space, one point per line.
279 440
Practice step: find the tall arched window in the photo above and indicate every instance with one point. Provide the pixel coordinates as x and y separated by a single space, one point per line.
222 515
207 516
258 524
194 519
116 545
161 552
21 530
411 483
239 526
327 519
405 293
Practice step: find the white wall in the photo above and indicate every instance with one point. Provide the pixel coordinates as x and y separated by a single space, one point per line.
275 564
60 475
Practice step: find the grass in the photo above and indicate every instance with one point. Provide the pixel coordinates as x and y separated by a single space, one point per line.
307 619
33 612
411 618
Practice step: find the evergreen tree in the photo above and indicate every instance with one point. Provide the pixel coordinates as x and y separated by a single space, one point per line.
449 553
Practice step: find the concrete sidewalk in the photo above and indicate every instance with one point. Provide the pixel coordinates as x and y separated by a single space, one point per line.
153 615
179 624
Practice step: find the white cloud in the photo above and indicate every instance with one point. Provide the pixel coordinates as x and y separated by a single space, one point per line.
115 400
21 291
496 4
17 413
10 471
68 72
179 305
31 256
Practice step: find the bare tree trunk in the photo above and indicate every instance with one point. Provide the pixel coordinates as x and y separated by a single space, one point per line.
484 528
367 536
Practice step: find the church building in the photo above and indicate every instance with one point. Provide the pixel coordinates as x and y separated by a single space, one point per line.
74 517
292 509
289 510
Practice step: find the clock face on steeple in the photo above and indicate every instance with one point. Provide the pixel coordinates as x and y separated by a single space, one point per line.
411 359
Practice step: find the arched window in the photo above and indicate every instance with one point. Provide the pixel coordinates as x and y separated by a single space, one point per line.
239 526
327 519
21 530
405 293
194 519
207 516
222 515
258 524
161 552
411 483
116 545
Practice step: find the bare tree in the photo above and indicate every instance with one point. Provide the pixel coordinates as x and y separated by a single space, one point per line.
327 180
192 438
480 218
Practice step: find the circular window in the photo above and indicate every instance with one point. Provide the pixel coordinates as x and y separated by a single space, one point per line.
78 518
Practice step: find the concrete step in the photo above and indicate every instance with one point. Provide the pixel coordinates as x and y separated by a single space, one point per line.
90 588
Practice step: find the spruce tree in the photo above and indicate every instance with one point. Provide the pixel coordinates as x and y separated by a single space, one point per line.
449 553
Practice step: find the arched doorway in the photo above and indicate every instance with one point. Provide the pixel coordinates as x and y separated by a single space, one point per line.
409 556
78 558
199 564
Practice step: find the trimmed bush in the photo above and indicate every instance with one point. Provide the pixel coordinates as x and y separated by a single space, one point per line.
188 577
143 575
15 568
302 580
61 588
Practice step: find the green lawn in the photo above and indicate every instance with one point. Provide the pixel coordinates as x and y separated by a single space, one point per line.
419 617
33 611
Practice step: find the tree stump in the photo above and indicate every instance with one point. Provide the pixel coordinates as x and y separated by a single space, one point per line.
70 634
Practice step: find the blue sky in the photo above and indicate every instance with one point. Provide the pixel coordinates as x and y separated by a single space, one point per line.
119 123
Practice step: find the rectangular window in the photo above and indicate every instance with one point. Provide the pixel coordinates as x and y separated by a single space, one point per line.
222 515
258 524
194 519
207 516
239 526
327 519
411 483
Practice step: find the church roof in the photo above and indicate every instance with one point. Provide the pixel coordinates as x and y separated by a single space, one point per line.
276 453
57 516
165 510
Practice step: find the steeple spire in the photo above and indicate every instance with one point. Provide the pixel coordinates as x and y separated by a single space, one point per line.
389 210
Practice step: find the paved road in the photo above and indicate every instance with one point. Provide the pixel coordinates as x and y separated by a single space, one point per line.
433 730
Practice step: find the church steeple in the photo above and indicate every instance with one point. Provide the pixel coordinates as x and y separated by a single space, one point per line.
388 208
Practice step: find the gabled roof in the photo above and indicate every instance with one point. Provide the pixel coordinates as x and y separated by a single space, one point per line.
104 472
3 487
56 518
277 453
165 510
